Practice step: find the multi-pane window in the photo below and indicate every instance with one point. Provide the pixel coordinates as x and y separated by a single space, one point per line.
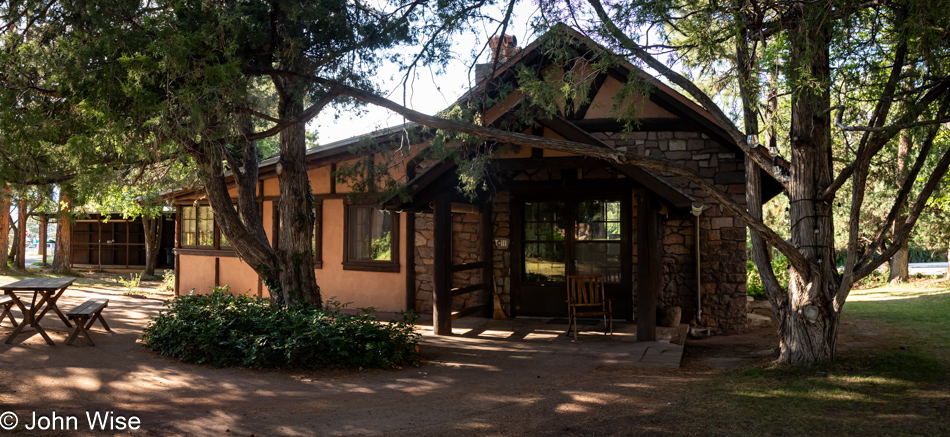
197 226
543 244
205 226
597 237
189 226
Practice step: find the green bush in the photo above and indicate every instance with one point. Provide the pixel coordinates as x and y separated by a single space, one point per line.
222 329
754 280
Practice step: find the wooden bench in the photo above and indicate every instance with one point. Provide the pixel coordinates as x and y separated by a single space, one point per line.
6 302
84 316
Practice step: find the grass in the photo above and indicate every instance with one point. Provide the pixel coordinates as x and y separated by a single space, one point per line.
900 388
921 309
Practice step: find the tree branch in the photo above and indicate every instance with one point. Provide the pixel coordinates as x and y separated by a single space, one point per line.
605 153
724 121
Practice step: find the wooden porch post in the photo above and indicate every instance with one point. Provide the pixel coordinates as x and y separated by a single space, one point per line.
649 265
44 222
442 234
485 240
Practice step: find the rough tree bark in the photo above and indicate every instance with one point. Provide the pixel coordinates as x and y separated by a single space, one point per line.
62 257
153 242
808 326
13 250
4 229
20 261
900 269
297 278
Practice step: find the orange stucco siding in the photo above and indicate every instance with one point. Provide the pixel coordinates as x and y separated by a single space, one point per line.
267 219
602 104
237 275
197 272
271 187
383 290
319 179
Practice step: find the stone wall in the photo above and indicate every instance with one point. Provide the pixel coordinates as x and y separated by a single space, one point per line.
501 258
465 249
722 235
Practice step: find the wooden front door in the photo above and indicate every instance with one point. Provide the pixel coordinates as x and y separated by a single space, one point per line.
572 236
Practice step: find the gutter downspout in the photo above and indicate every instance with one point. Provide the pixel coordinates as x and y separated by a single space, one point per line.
697 210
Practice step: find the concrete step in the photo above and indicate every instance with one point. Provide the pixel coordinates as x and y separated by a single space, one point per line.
758 320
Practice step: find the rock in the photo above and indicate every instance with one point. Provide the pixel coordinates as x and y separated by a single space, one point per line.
669 316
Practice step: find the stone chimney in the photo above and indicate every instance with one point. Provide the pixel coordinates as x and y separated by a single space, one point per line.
503 48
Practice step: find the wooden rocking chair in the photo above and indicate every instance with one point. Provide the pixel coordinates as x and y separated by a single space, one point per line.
585 298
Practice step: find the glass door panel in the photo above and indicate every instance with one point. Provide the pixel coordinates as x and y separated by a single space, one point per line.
543 245
597 239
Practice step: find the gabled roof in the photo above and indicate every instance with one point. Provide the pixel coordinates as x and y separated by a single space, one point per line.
662 95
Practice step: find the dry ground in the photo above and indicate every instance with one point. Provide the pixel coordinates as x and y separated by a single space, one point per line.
452 393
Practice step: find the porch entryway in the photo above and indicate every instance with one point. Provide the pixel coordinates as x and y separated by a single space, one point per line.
573 235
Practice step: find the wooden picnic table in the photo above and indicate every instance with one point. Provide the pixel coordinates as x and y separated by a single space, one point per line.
49 291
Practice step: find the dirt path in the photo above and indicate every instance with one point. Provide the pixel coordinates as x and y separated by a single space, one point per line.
457 392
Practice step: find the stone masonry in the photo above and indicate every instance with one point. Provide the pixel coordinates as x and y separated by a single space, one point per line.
465 248
722 235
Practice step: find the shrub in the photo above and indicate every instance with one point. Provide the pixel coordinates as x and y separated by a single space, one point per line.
226 330
754 280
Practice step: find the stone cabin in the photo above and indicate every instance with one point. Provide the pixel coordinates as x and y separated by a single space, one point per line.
544 215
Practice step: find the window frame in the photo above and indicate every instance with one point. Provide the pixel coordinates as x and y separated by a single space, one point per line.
216 233
318 233
392 265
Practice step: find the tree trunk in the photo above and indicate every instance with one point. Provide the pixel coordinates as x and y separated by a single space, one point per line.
62 257
808 325
44 227
298 281
20 261
900 270
13 250
153 242
4 229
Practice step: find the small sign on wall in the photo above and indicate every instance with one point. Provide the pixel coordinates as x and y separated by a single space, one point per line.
501 243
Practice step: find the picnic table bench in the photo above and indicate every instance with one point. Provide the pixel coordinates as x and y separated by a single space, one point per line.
84 316
6 302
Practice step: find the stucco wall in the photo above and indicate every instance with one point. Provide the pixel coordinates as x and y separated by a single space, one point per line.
197 272
383 290
240 277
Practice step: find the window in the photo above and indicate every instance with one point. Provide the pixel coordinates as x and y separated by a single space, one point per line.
371 239
543 242
197 226
205 226
597 236
188 226
222 240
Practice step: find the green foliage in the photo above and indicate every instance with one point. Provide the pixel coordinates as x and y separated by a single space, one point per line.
222 329
168 282
382 247
132 285
754 285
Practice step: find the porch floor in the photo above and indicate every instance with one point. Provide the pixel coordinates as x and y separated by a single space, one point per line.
485 340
